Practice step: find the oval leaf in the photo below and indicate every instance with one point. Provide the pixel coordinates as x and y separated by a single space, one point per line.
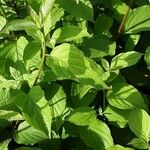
138 20
139 123
97 135
27 135
18 24
125 96
82 116
68 33
124 60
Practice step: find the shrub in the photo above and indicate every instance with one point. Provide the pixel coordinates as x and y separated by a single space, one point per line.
74 74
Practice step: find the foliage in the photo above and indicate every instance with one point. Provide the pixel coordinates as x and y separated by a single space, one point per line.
74 74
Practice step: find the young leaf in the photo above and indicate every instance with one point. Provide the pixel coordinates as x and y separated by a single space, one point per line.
68 33
82 116
35 109
138 20
125 96
97 135
139 123
124 60
138 143
2 22
18 24
46 7
82 9
27 135
52 17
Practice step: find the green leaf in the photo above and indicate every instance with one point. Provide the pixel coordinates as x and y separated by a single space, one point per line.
57 102
103 24
138 20
27 135
118 147
125 96
36 34
10 115
138 143
6 97
82 95
131 42
97 135
11 54
124 60
68 62
147 57
46 7
93 75
139 123
28 148
35 109
54 15
68 33
18 24
82 9
82 116
35 4
32 55
117 116
119 8
2 22
99 47
4 144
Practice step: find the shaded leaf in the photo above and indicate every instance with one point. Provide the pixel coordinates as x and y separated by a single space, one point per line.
117 116
35 109
82 9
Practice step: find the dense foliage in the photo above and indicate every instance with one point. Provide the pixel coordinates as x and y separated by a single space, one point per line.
74 74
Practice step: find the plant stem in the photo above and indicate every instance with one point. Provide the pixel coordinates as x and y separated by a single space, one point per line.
43 52
125 17
42 62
